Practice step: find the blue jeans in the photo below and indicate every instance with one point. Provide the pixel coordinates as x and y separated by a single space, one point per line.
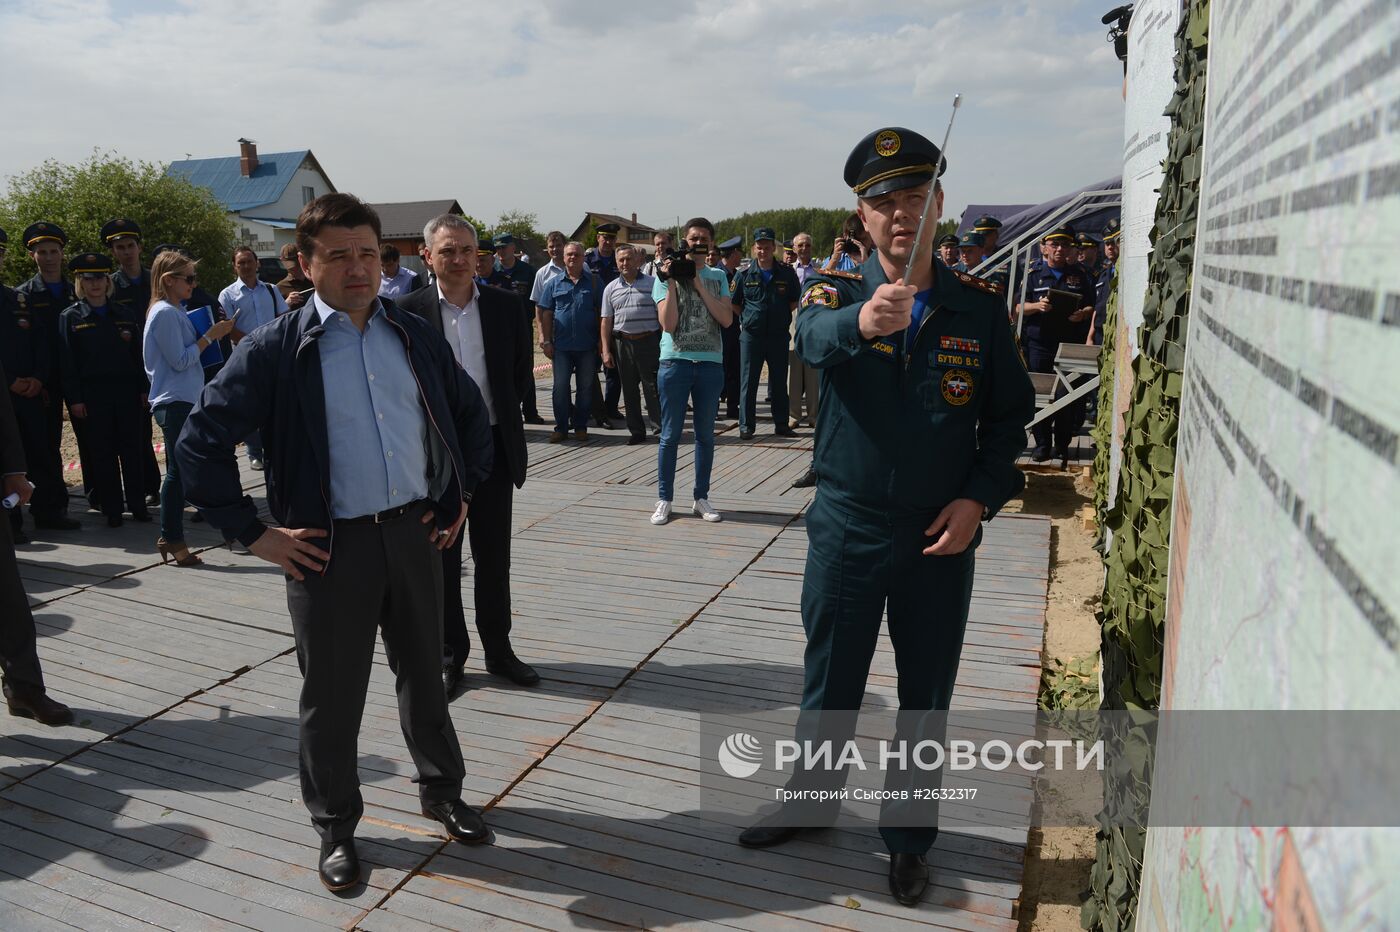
255 447
170 417
677 381
582 366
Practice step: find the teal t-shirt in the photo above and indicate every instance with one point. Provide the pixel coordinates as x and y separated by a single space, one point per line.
697 337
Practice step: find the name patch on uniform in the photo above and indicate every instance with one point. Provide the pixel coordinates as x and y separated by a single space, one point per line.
822 294
84 326
960 344
883 346
957 387
958 359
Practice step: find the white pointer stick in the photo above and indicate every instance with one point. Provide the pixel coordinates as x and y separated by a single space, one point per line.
923 244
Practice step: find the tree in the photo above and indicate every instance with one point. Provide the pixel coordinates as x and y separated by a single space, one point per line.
823 223
81 198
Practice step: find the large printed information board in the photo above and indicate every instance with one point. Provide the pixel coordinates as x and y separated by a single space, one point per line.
1285 563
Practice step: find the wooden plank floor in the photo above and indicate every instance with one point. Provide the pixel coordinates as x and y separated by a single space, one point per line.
173 802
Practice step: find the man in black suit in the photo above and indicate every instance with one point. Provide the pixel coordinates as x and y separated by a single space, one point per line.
19 659
486 327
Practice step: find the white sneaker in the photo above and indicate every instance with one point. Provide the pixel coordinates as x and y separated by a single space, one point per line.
662 514
704 509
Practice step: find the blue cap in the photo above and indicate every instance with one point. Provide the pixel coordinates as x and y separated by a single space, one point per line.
764 233
892 159
91 263
976 240
43 230
504 239
734 242
116 229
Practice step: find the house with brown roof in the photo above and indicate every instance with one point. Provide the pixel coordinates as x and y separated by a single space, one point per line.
629 230
402 223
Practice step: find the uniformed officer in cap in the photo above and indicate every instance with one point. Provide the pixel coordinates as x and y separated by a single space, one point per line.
44 297
1045 325
1103 285
132 282
765 295
990 228
971 252
1088 248
948 249
25 357
104 383
731 254
602 262
923 414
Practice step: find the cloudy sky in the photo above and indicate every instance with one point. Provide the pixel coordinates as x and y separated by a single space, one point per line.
667 109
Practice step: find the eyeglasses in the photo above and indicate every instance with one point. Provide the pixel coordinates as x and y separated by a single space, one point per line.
93 276
187 279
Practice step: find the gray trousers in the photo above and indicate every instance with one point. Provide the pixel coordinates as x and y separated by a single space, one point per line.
381 577
638 361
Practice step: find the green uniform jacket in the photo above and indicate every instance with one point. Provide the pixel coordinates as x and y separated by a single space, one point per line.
903 434
765 310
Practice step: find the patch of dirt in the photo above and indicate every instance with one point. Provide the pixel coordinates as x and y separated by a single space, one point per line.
1058 858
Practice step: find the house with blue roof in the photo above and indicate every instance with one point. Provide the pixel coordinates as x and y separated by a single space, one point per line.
262 193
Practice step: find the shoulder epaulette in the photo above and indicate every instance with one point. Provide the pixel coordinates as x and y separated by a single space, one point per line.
981 284
833 273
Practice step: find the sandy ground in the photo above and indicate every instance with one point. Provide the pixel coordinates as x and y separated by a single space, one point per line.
1058 858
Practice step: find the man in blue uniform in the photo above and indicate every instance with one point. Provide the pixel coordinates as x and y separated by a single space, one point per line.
132 283
516 274
766 295
1058 306
731 252
602 262
924 406
948 250
971 252
1104 283
45 296
990 228
1088 248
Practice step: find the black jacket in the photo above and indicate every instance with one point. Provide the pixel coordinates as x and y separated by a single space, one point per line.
509 360
273 383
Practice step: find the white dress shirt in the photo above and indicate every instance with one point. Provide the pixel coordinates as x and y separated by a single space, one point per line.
462 327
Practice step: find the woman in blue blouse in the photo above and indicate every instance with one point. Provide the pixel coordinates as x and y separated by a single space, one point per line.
172 351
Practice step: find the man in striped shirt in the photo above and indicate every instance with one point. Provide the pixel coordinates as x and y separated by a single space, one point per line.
632 340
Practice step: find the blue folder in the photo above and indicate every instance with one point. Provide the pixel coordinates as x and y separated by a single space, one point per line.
203 319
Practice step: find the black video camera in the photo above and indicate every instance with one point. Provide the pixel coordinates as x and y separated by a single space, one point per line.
682 265
1119 17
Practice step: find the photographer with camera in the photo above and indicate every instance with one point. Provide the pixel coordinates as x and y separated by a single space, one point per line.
693 305
851 248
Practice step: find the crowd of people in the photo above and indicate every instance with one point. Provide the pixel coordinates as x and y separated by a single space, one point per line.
388 408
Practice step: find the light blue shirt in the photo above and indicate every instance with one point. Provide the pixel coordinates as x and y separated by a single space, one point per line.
401 284
256 305
169 345
375 424
543 277
698 335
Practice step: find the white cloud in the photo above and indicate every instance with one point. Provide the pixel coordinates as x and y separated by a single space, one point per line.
665 109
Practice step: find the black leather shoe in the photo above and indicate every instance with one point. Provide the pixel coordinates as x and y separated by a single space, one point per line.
38 706
340 865
745 433
633 441
1040 454
908 878
785 431
57 523
452 678
764 835
806 480
514 669
153 500
533 419
462 822
143 516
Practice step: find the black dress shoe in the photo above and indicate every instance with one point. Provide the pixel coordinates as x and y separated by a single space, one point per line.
514 669
745 433
806 480
462 822
143 516
908 878
633 441
533 419
765 835
57 523
785 431
1040 454
340 865
616 416
38 706
153 500
114 520
452 678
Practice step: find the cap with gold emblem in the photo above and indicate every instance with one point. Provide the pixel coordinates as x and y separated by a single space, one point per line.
985 224
763 233
486 247
948 239
1112 230
1061 234
90 263
891 159
1086 241
116 229
607 229
36 233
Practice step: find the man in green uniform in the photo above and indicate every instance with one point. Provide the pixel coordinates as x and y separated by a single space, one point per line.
766 294
924 407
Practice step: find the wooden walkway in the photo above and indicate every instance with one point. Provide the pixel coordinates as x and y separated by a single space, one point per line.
173 802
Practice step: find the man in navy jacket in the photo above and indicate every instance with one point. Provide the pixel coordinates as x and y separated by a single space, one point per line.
375 440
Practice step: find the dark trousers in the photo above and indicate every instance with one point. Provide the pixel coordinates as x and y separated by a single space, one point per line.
151 468
529 406
381 577
1058 431
19 658
45 460
730 391
488 532
754 351
858 570
637 363
112 459
171 418
582 367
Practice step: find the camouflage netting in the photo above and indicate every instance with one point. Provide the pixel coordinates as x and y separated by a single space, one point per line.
1135 586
